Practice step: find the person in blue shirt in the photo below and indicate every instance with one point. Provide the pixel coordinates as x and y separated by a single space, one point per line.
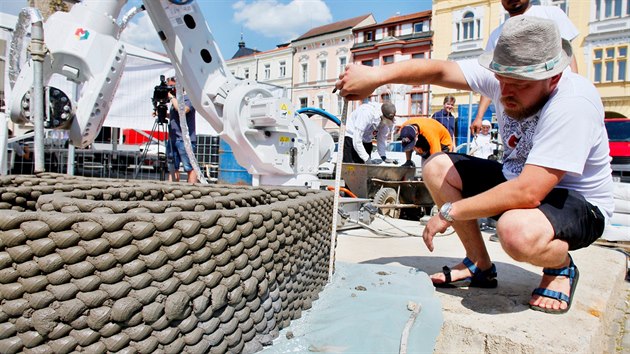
176 152
445 115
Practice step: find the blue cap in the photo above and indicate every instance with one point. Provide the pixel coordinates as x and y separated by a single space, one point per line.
408 137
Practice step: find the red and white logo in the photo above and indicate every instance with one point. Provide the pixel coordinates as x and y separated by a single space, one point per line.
513 140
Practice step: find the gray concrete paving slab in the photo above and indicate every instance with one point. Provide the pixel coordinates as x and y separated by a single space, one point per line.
499 320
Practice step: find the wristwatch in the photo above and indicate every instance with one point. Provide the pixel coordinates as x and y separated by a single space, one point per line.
445 211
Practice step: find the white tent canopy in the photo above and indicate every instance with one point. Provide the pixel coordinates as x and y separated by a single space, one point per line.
132 107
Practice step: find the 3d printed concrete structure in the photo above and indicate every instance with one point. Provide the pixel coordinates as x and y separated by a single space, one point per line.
100 265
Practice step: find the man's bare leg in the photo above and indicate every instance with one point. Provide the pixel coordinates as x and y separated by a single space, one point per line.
192 176
445 184
527 236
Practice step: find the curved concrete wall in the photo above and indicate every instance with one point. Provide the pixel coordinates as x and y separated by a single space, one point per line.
100 265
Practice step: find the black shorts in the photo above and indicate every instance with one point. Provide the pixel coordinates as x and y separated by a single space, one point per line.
573 219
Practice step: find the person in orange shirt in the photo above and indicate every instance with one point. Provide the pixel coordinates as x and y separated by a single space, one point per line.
425 136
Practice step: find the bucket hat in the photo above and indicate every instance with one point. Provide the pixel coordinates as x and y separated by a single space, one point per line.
529 48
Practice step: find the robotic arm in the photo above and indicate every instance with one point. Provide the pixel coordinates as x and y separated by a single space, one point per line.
277 145
84 48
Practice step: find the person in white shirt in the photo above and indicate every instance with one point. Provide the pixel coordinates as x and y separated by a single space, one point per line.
568 31
482 145
553 192
368 121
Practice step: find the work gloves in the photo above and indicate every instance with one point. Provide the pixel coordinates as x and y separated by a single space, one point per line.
408 163
386 160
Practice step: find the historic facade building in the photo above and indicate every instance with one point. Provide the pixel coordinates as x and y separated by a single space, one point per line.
272 67
601 49
398 38
320 55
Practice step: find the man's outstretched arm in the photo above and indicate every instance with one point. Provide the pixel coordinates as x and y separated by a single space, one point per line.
359 81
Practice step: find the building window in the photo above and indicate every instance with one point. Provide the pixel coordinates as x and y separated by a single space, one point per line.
267 71
303 102
610 64
622 63
368 36
386 97
304 73
416 104
391 31
320 102
605 9
388 59
322 70
417 56
246 74
468 25
368 62
342 64
562 4
283 69
417 27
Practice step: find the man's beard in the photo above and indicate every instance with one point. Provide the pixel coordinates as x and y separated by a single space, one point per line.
520 112
518 10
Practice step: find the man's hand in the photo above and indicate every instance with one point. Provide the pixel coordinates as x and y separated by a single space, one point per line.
386 160
408 163
358 81
475 126
436 224
373 162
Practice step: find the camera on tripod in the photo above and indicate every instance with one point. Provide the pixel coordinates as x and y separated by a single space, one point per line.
160 99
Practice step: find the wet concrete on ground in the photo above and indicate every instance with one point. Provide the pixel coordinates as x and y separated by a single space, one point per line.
499 320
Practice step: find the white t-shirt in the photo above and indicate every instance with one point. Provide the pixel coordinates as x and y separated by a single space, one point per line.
568 31
482 147
567 134
364 124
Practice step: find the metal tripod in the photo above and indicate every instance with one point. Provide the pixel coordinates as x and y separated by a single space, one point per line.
159 126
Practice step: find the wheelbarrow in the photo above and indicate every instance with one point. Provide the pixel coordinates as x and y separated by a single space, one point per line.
394 190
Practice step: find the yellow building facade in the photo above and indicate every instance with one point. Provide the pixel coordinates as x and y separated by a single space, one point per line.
462 28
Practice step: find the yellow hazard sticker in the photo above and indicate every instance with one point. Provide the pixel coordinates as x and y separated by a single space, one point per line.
285 139
284 107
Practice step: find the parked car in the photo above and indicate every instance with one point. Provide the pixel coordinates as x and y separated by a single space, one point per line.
619 140
394 152
619 143
327 169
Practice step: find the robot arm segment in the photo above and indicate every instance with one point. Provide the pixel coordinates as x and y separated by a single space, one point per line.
84 48
268 137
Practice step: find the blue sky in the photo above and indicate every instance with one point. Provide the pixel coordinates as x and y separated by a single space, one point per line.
264 23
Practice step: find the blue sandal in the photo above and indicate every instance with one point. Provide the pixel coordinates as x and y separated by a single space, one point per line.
570 272
479 279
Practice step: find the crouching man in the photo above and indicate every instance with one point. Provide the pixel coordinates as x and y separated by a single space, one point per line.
553 192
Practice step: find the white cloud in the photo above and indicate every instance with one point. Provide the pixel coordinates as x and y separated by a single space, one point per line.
141 33
287 21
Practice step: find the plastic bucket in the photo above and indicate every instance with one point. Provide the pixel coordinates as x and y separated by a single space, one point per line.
230 172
